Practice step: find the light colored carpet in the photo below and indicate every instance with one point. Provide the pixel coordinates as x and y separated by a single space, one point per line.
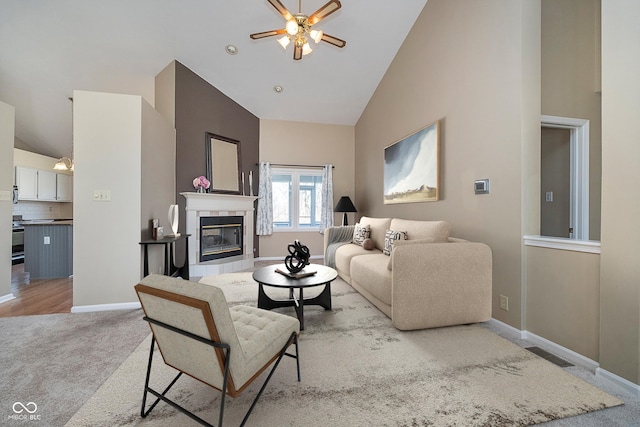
358 370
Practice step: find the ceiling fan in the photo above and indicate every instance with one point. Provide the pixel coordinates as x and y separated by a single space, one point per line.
298 28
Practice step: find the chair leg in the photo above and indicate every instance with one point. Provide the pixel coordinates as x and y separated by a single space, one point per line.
283 352
161 396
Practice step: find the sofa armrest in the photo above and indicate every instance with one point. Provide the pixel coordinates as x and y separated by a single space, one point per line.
441 284
338 234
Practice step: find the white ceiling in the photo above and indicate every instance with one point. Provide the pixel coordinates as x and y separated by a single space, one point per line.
50 48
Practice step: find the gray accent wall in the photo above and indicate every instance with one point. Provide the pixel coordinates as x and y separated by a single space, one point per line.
199 108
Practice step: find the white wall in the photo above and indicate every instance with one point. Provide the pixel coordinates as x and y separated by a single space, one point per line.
107 144
7 126
619 266
122 145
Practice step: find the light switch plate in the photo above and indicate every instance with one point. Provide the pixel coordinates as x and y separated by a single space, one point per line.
481 186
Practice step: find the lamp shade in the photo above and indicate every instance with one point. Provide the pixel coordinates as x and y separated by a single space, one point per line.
345 205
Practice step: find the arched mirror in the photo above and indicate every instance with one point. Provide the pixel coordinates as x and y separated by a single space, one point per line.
223 164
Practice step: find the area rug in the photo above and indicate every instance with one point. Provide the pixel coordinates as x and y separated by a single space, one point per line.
358 370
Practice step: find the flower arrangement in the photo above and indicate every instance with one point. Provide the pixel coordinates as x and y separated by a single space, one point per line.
201 183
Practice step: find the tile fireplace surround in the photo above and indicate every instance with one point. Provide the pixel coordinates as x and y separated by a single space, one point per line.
211 204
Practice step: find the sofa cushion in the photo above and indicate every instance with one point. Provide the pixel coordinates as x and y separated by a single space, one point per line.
390 237
406 242
378 227
438 230
360 233
370 272
345 253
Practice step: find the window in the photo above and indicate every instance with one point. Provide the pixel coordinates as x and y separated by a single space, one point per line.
297 199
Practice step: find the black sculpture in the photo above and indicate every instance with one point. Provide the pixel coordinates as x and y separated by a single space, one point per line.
298 257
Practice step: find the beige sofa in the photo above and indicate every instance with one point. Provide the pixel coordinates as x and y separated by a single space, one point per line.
427 281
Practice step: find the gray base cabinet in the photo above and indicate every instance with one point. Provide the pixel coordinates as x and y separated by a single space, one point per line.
48 250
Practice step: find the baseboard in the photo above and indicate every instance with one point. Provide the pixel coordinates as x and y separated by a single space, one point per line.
506 329
105 307
624 383
6 298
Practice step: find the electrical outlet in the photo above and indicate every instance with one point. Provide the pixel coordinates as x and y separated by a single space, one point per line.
47 240
549 196
504 303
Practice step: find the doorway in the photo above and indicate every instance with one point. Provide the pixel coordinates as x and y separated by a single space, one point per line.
564 209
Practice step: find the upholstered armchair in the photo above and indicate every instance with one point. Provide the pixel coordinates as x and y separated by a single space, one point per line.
198 334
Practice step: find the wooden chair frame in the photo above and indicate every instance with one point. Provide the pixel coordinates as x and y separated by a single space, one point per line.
223 355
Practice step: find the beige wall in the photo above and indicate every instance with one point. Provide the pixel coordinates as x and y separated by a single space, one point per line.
564 310
472 80
308 144
571 79
158 181
7 126
109 142
619 268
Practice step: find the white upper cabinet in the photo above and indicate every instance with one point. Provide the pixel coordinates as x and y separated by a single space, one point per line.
47 184
43 185
27 182
64 188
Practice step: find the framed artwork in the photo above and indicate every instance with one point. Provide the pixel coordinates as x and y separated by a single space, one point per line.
223 164
412 167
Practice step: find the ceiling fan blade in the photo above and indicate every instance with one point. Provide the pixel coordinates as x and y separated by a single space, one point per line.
264 34
297 52
333 40
281 9
324 11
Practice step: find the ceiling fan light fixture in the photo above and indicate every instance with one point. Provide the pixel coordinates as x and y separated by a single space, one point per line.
284 41
306 49
316 35
292 27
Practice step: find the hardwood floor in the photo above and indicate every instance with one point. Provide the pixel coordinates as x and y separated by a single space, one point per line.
37 296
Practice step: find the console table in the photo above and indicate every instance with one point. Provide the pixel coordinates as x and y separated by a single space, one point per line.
170 269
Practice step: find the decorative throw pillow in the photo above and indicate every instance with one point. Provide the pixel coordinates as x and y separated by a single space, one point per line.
360 233
368 244
391 236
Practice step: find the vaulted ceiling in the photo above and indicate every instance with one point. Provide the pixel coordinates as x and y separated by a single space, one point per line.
50 48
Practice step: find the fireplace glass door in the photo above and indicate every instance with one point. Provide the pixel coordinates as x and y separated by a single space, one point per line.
220 237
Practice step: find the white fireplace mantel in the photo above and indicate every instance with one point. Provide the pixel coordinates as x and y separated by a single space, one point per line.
214 204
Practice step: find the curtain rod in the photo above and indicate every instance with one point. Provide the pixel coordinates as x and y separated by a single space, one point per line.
297 166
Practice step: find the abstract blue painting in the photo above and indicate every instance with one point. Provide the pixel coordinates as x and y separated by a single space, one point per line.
412 167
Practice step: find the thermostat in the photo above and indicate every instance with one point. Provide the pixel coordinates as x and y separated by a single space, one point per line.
481 186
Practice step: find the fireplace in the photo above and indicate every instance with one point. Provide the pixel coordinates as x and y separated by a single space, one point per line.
210 261
220 237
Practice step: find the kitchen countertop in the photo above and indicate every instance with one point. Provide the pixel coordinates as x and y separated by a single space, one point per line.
46 222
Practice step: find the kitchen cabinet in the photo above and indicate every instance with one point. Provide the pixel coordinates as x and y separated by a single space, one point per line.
64 192
27 182
43 185
48 249
47 185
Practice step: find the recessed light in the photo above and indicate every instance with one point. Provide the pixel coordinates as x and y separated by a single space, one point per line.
278 89
231 49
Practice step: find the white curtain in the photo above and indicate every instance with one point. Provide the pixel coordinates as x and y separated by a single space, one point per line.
264 214
326 217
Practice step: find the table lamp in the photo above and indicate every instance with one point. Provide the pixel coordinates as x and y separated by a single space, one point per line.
345 205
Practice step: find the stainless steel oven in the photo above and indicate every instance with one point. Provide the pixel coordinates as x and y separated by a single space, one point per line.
17 242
